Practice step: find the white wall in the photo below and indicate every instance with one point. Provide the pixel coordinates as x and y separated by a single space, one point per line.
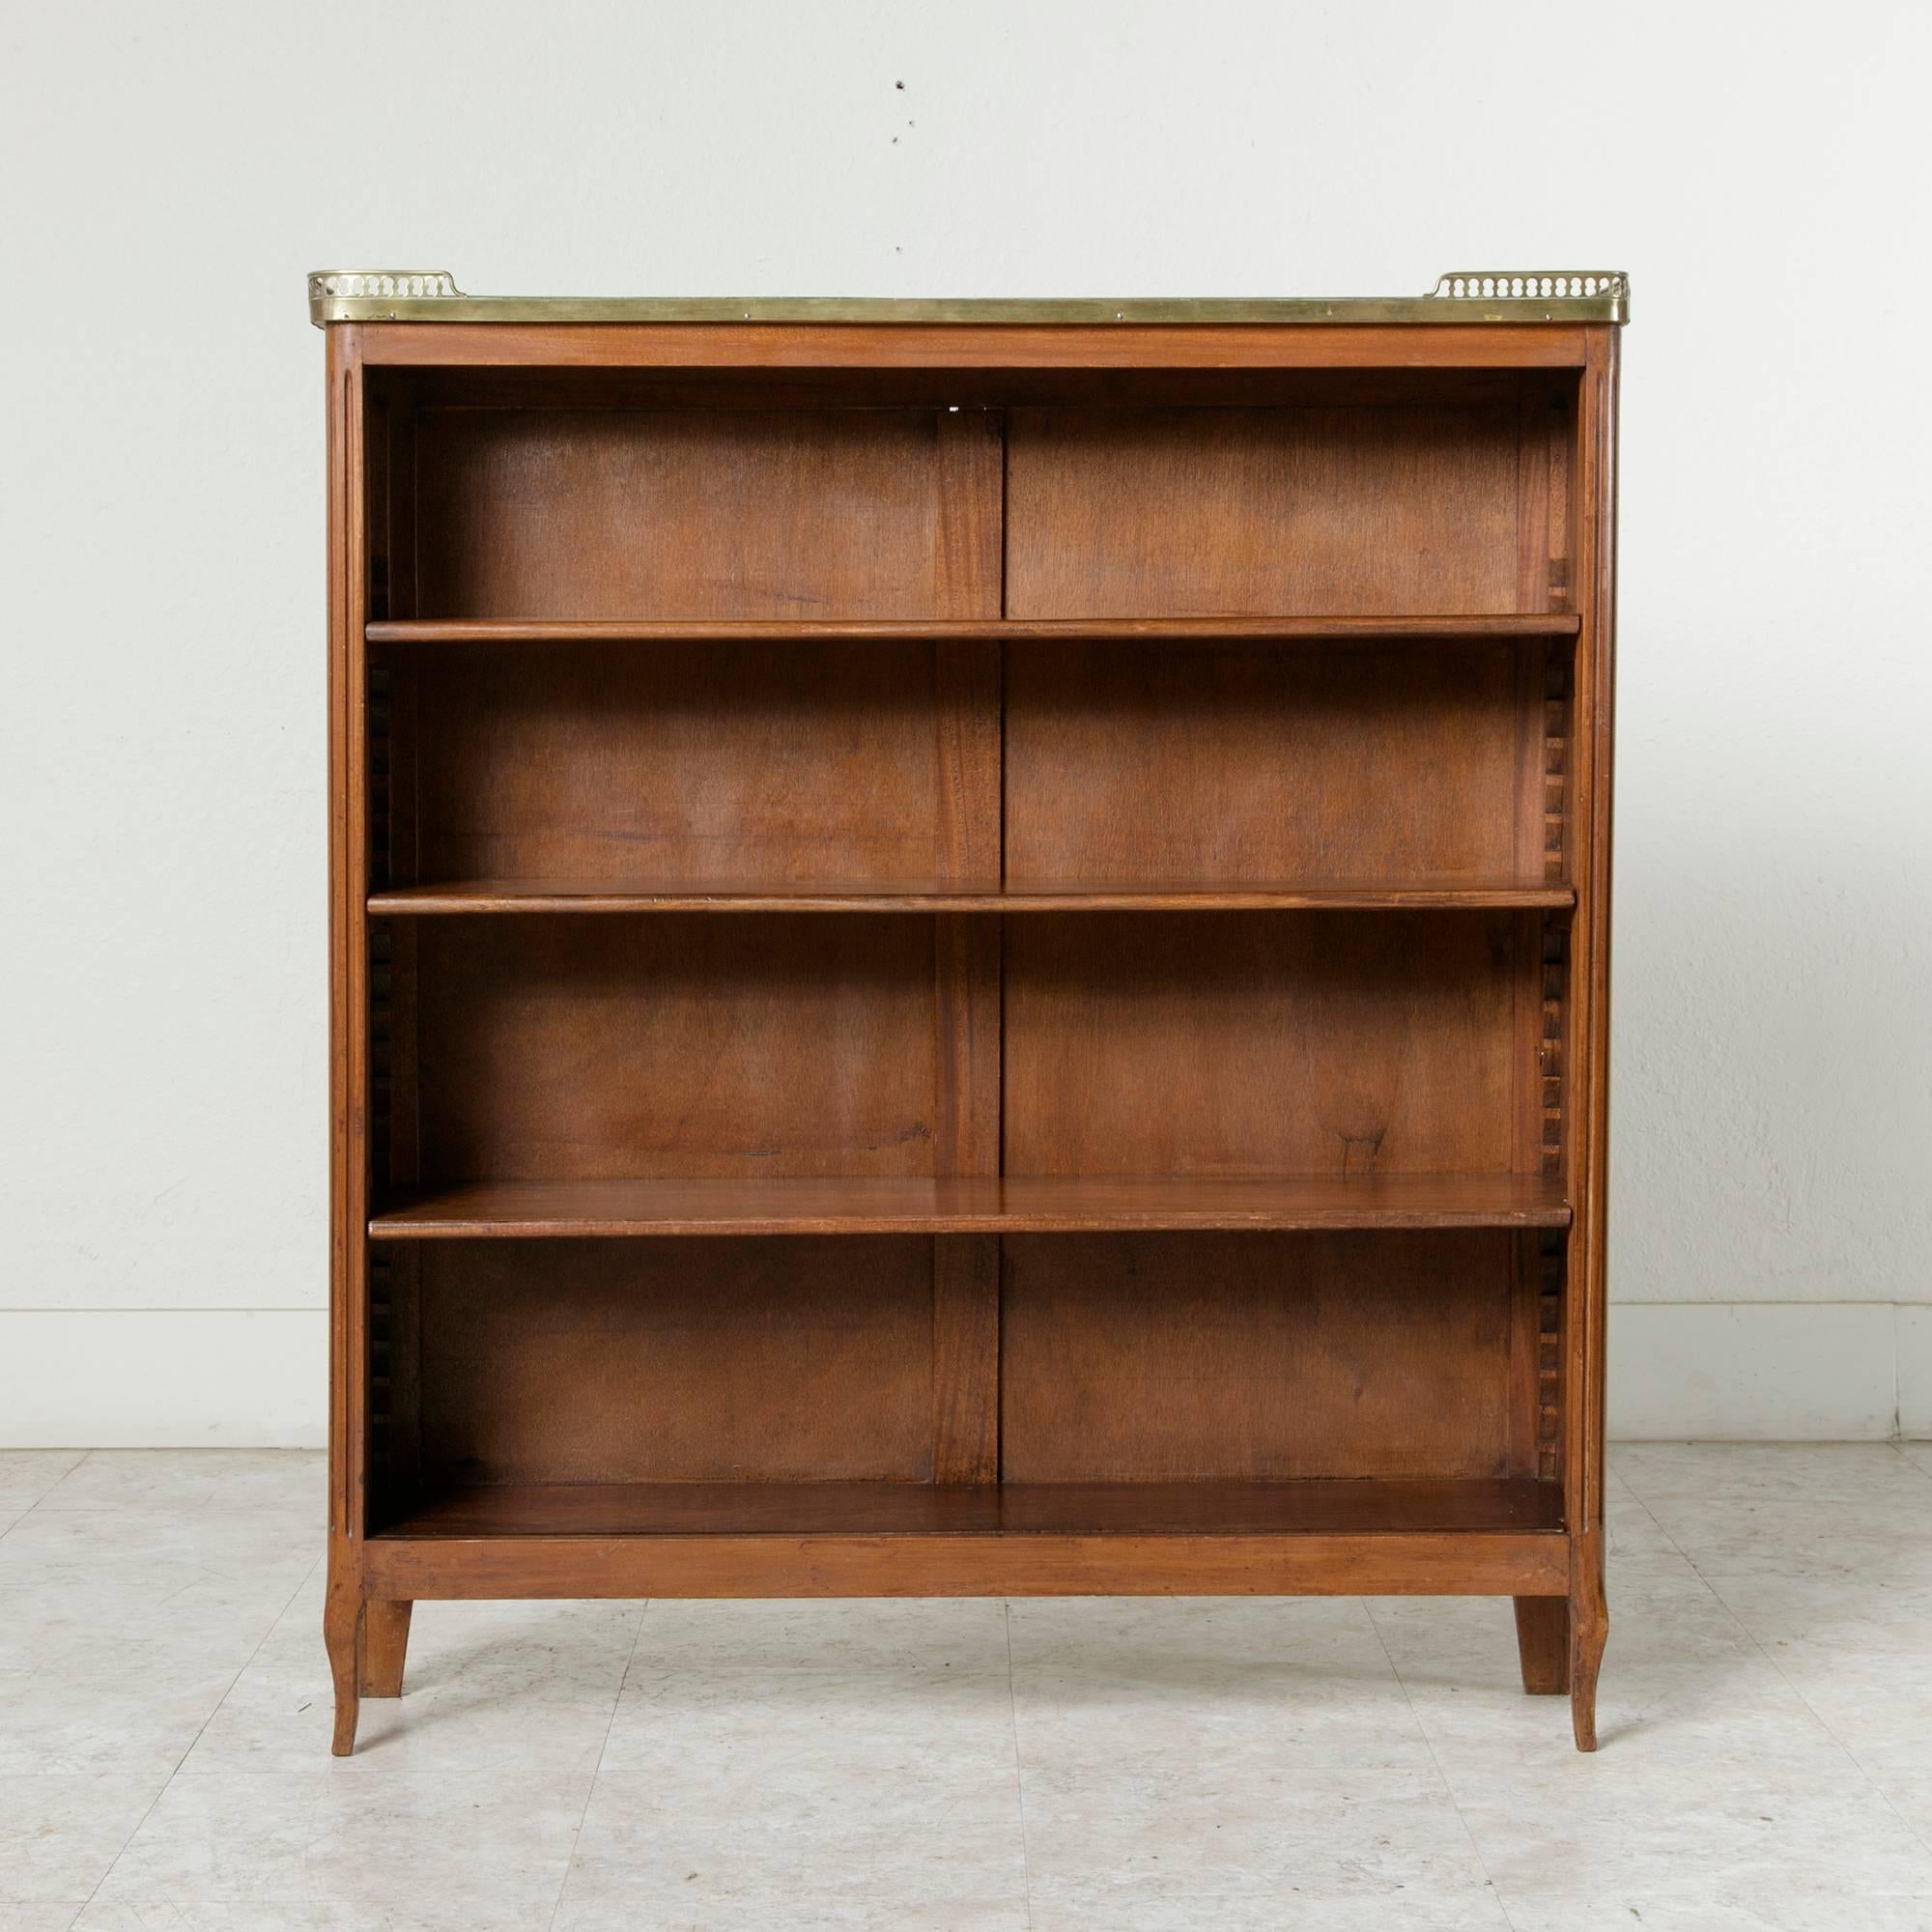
172 172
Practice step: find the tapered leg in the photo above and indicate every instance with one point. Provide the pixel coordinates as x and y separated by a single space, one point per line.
385 1638
1543 1645
342 1633
1590 1630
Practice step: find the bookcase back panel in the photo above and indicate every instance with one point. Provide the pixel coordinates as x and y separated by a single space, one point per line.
1251 512
1183 1357
1237 762
715 1360
1271 1043
716 764
707 513
586 1047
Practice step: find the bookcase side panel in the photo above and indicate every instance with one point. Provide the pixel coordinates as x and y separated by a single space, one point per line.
1589 831
349 1027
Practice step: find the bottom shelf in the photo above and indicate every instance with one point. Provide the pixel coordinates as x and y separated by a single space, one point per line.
1028 1203
1461 1537
994 1509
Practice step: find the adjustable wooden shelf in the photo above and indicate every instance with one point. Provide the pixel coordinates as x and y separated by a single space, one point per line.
969 949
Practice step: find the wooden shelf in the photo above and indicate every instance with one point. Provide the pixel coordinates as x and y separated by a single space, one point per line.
560 1209
1010 1509
1123 630
536 896
829 1539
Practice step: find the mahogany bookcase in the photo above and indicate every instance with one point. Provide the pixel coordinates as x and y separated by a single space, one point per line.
969 949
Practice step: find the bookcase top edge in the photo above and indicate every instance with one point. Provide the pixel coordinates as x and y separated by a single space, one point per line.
1462 297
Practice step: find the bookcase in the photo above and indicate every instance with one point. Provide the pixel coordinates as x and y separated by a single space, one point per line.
969 949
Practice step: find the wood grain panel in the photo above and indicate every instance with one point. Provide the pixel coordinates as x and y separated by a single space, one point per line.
643 1361
927 346
1194 1357
1233 1043
1167 513
1241 763
577 1048
713 764
965 1359
1113 1562
966 1119
725 513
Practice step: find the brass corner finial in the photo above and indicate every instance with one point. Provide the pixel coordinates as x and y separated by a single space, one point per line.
374 285
1534 285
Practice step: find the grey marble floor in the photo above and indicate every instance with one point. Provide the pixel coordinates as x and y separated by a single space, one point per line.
1107 1766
